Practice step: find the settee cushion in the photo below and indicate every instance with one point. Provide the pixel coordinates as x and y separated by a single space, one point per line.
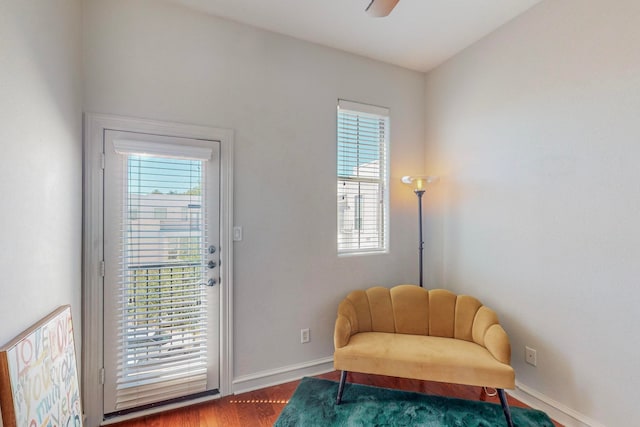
425 358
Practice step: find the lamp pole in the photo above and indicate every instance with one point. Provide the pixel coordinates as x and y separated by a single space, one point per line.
419 186
420 193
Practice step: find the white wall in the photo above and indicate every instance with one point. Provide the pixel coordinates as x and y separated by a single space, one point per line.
40 163
535 131
160 61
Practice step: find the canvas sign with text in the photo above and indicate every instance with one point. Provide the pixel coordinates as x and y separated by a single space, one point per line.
38 376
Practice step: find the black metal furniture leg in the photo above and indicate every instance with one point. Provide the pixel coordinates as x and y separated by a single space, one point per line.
343 379
505 407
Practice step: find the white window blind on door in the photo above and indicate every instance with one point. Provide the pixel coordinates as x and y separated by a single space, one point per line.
162 330
363 139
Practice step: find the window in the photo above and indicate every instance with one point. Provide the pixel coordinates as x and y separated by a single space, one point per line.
363 206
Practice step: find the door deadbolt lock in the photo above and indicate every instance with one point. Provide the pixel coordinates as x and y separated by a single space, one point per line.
212 249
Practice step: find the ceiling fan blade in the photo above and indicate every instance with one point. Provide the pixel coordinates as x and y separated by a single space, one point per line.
380 8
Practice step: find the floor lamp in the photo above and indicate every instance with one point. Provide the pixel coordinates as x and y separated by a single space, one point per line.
419 184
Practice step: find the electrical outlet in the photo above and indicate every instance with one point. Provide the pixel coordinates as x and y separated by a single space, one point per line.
305 336
530 356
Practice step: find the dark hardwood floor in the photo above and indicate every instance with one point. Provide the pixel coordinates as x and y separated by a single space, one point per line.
262 407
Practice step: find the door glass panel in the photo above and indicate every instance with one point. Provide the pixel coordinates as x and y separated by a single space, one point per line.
163 301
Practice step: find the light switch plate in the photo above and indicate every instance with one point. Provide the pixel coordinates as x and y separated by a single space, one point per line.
237 233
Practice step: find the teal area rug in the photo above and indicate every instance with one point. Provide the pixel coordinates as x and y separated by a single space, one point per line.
313 404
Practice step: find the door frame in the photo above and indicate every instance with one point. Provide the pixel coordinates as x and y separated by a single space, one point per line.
92 252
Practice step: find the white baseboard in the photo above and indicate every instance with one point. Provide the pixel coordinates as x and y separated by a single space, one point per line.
282 375
556 410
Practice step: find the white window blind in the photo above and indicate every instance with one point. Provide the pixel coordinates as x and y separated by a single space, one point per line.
162 328
363 140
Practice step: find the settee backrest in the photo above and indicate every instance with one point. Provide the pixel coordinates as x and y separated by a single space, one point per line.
409 309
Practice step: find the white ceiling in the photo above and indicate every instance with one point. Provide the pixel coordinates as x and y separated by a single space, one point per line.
418 34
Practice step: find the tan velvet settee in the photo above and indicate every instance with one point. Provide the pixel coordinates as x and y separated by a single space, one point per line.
410 332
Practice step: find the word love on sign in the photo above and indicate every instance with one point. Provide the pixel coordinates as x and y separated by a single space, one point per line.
39 377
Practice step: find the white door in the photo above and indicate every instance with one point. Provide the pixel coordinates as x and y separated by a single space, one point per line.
161 272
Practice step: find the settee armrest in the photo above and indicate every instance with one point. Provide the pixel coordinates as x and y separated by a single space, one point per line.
488 332
342 332
497 342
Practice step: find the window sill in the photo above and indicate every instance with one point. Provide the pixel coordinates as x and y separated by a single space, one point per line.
362 253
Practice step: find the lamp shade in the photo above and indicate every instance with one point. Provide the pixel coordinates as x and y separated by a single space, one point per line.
419 182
